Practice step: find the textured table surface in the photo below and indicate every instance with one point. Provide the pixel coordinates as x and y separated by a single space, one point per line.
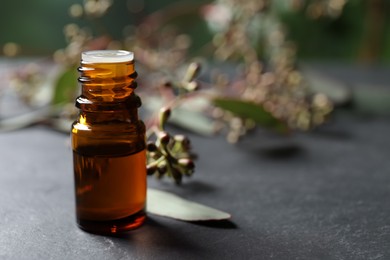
323 195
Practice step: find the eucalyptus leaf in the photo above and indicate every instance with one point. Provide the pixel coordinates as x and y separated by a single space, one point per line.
192 120
188 116
65 86
251 110
170 205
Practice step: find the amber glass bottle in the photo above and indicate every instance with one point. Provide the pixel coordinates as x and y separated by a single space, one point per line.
108 142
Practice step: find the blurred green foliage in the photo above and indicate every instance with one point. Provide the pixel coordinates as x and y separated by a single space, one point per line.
326 37
37 27
345 37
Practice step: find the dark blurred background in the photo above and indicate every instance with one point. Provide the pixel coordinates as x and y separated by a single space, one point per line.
360 34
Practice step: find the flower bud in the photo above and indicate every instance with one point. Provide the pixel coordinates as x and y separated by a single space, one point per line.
187 163
166 84
163 137
192 71
183 140
162 167
151 147
164 115
192 86
151 169
176 175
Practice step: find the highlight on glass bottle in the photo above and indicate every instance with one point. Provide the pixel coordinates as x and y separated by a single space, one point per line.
108 142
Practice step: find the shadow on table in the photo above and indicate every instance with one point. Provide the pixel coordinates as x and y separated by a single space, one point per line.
197 186
222 224
282 152
332 133
281 147
156 236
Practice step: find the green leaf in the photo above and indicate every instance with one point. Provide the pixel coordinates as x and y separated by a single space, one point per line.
170 205
251 110
65 87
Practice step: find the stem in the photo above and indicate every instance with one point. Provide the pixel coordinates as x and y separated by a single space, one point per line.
374 30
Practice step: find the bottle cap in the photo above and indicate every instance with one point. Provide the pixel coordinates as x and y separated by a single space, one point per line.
107 56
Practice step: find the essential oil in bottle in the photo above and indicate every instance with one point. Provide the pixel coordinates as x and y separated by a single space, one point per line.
108 142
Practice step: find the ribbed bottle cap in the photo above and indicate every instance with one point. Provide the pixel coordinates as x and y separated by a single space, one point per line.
107 56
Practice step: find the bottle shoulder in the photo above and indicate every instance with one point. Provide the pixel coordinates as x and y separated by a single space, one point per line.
112 126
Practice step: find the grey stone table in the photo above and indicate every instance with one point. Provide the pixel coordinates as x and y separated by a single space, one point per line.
323 195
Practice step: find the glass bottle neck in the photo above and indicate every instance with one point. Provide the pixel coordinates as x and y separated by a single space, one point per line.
107 82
